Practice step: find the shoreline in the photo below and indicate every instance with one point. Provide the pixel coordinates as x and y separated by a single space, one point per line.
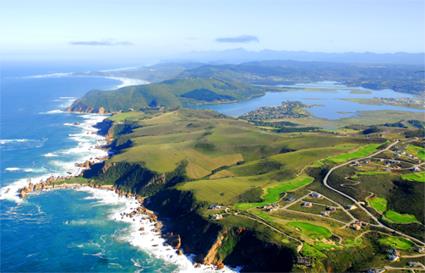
144 232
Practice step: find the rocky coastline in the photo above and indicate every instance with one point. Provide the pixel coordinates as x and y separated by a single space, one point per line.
137 215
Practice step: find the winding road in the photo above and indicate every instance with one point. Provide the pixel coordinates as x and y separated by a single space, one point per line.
357 203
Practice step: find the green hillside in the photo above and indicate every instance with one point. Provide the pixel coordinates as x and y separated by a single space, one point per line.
220 178
170 94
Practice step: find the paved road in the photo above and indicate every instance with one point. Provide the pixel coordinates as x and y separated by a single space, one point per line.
357 203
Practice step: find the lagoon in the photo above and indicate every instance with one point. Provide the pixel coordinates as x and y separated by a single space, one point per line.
327 100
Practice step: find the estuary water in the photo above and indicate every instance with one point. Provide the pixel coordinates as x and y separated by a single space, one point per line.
328 100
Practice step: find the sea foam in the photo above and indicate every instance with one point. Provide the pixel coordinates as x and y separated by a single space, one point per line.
149 239
17 140
26 170
87 148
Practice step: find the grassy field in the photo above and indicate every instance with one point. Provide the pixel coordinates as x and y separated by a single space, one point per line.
414 177
226 158
399 218
274 192
127 116
233 163
378 203
311 251
359 153
224 191
396 242
417 151
311 230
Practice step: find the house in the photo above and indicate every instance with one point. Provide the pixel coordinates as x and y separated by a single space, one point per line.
270 207
305 261
315 195
215 207
414 264
307 204
393 258
290 198
393 255
420 249
351 207
357 225
217 216
325 213
331 209
415 169
354 164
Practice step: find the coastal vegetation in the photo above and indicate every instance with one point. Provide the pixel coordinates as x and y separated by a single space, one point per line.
232 179
235 188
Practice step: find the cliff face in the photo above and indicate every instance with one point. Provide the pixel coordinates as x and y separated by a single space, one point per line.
213 243
184 228
259 256
79 107
178 212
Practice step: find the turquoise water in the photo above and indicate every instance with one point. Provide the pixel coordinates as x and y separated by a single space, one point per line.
57 231
69 231
327 101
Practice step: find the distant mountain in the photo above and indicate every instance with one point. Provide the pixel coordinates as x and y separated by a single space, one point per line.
240 55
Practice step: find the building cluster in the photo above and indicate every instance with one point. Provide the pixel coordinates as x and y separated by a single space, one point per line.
288 109
271 207
218 216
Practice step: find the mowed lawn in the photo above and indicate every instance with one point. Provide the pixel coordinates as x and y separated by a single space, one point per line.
310 230
396 242
399 218
414 177
359 153
378 203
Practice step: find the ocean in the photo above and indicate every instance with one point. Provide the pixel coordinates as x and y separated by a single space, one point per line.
64 230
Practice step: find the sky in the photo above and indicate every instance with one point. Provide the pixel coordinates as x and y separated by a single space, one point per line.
90 29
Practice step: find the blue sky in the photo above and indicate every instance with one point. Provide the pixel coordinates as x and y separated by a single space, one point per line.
142 29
